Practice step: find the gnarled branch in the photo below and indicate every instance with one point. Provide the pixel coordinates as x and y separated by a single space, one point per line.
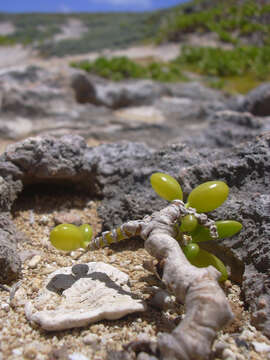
207 309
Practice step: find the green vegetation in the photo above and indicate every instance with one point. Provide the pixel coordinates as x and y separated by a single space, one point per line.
206 197
223 63
237 22
33 28
119 68
239 69
4 41
104 30
69 237
222 17
166 186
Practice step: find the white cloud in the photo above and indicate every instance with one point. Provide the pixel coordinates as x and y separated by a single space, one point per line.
119 3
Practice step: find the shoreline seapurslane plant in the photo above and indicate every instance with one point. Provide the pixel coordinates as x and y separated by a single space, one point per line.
172 236
204 198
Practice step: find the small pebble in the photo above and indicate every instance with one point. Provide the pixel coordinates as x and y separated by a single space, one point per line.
228 284
77 356
49 269
227 354
90 203
220 346
5 307
34 261
17 352
67 218
36 285
31 217
261 347
91 339
138 267
44 220
30 352
27 254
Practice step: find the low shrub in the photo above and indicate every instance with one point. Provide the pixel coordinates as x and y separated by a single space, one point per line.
223 63
119 68
222 17
5 40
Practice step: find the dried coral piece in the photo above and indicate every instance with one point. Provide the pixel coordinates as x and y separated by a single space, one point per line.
82 294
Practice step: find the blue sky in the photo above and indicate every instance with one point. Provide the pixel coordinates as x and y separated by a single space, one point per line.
66 6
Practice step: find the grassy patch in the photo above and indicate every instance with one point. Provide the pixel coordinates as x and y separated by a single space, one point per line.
5 41
241 84
227 63
119 68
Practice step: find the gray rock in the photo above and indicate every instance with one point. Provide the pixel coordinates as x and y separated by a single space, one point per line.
227 128
186 110
39 158
195 91
68 160
35 101
257 101
84 89
10 263
22 75
8 192
116 95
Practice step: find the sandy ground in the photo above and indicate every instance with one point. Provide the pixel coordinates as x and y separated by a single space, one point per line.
34 214
16 56
74 29
6 28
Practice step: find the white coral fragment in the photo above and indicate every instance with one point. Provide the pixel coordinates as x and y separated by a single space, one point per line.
82 294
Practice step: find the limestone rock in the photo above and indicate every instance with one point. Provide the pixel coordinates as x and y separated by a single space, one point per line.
37 101
84 89
83 294
8 192
257 101
194 91
227 128
10 263
116 95
68 159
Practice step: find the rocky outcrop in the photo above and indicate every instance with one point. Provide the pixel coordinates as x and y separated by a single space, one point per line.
116 95
37 101
10 263
257 101
120 174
